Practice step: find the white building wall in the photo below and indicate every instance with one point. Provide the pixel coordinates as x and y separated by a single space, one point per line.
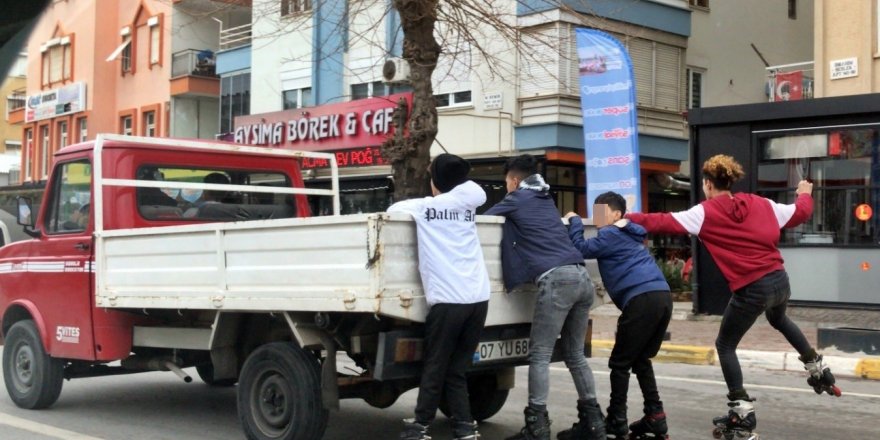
281 47
720 44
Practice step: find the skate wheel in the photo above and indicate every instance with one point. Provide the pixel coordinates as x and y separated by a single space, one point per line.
835 391
716 433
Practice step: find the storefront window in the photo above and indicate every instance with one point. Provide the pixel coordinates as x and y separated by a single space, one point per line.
844 166
355 197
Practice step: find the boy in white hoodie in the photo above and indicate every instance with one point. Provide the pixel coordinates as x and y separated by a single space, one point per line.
456 286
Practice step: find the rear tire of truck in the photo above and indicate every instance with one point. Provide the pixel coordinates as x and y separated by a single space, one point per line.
279 394
33 378
485 397
206 373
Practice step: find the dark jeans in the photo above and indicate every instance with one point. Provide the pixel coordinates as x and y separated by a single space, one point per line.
452 332
640 331
768 295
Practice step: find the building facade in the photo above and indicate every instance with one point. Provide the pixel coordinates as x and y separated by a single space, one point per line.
847 47
13 91
521 98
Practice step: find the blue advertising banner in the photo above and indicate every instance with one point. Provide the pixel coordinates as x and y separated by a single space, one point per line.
611 141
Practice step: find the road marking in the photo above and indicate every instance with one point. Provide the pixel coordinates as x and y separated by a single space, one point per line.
39 428
719 382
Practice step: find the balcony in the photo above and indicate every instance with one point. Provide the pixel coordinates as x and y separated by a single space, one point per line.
790 82
235 37
15 104
193 73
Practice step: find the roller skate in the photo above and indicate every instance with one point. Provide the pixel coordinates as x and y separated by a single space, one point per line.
820 378
615 424
537 425
590 424
740 420
651 426
465 431
413 430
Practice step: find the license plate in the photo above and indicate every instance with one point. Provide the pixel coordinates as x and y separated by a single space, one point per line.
497 350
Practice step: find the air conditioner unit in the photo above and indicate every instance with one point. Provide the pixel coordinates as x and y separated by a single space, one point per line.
395 70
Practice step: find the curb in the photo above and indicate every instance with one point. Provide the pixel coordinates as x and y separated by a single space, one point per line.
861 367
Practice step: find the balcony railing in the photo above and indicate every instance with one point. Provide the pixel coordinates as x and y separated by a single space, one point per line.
235 37
193 62
790 82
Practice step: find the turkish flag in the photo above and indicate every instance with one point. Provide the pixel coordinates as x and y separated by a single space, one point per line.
789 86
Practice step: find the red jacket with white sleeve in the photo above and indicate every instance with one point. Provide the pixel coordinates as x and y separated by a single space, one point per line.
740 232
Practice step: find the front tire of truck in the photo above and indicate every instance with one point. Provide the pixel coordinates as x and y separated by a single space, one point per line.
33 378
279 394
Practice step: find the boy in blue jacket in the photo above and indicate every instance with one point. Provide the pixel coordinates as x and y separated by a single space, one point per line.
638 288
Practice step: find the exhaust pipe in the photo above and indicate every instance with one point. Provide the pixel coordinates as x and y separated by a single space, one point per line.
171 366
156 364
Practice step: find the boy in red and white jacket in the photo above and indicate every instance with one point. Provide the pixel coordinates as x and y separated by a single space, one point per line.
741 232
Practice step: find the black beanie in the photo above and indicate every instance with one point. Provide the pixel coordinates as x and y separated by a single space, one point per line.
449 171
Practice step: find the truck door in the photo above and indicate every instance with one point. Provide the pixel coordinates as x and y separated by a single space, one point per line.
62 259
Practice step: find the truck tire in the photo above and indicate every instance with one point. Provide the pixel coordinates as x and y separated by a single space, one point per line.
206 373
33 378
485 397
279 394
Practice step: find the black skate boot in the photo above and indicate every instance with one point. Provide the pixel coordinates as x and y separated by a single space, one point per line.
413 430
740 420
537 425
616 426
820 378
590 424
652 425
465 431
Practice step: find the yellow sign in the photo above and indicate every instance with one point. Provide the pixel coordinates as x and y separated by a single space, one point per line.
864 212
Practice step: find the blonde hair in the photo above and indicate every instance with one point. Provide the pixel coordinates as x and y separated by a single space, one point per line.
723 171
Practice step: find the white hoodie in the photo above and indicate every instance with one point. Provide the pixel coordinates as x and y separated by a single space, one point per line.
450 258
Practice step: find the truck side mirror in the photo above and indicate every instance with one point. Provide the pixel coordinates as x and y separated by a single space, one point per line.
26 217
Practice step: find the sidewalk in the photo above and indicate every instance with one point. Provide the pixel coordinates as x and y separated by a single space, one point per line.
692 339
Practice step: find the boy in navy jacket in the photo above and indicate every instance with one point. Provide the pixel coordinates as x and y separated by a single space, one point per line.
638 288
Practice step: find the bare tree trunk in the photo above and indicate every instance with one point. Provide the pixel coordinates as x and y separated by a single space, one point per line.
409 151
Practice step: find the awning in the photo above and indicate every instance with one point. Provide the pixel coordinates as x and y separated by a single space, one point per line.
118 50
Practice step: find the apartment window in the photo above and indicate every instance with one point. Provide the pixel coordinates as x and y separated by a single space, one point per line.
298 98
289 7
368 90
235 99
83 130
455 99
839 162
699 3
28 153
56 58
150 124
15 102
126 54
792 9
126 124
659 72
62 134
44 151
155 40
695 87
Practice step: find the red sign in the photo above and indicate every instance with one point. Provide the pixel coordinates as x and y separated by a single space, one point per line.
864 212
789 86
348 125
358 157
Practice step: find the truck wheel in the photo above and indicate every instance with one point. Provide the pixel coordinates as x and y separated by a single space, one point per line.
33 378
206 373
279 394
485 397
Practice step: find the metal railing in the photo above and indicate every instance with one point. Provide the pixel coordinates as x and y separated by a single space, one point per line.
193 62
790 82
237 36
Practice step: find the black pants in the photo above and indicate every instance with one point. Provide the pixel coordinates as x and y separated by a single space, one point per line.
640 331
768 295
452 332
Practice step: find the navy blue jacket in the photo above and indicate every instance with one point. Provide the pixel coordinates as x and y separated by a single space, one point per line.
534 239
627 268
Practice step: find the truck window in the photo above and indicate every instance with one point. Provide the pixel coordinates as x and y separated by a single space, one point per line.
68 209
206 205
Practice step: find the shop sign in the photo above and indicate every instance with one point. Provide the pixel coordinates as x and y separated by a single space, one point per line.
845 68
56 102
356 157
344 126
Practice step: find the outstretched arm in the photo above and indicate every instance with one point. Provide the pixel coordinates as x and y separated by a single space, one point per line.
676 223
797 213
589 248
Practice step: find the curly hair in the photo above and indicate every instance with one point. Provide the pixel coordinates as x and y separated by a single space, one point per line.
723 171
